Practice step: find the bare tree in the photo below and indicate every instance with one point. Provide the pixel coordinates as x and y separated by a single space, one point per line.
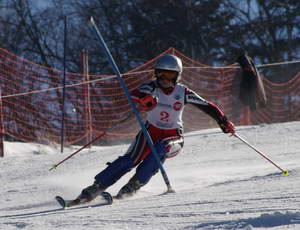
212 32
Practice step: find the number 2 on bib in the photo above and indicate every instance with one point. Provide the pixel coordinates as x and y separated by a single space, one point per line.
164 116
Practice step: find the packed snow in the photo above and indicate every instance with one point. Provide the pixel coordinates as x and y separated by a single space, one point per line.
220 183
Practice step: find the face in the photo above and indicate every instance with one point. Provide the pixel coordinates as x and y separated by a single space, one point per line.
166 79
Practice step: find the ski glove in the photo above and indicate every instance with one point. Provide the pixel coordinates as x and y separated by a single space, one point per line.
147 103
226 126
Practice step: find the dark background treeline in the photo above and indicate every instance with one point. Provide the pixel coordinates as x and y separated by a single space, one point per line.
213 32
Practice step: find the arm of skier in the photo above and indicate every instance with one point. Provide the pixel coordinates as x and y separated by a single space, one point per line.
143 98
211 109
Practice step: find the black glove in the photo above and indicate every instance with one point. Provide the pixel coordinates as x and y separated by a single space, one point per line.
226 125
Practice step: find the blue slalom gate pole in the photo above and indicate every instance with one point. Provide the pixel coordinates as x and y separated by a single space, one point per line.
132 105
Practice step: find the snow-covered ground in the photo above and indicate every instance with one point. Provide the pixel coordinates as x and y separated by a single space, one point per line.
220 183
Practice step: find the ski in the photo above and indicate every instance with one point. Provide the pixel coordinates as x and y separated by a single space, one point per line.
106 198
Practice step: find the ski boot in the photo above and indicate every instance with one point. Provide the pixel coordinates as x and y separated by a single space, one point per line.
129 189
90 193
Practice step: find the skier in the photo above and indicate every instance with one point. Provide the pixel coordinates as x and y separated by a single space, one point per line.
163 99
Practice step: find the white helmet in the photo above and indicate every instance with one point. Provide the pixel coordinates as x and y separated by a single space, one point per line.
171 63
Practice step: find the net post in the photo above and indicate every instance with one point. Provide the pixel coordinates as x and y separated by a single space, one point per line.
85 71
64 89
1 127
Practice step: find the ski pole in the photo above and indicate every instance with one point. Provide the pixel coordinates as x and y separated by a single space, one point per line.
132 105
92 141
284 172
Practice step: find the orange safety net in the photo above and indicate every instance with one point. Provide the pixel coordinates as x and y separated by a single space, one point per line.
32 100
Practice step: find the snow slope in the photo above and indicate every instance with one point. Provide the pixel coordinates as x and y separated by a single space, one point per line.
220 183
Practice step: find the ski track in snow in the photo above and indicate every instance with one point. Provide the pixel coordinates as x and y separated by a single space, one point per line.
220 183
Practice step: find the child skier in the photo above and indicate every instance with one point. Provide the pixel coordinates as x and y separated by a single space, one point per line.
163 99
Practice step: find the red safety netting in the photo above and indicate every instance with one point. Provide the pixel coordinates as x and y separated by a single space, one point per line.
32 97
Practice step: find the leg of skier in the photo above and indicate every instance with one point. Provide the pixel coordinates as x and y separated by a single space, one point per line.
149 167
115 170
111 174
